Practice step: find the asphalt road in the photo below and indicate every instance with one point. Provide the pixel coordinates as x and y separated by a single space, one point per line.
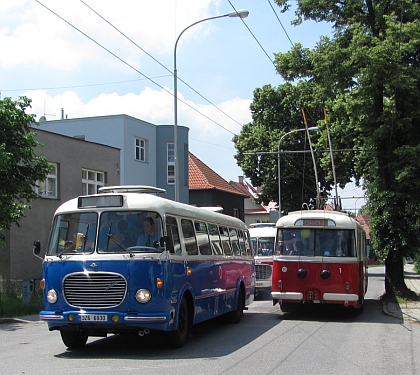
321 340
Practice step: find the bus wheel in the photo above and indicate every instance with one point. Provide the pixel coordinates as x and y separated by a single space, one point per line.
235 316
287 307
74 339
179 335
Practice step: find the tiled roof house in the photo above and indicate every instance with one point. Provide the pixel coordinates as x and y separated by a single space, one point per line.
208 189
255 213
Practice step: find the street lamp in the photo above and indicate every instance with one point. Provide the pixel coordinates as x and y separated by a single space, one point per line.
242 13
278 158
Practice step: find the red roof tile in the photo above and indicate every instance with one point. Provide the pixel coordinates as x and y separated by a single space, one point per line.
201 177
364 221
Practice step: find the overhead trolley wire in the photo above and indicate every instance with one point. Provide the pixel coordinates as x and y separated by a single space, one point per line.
130 66
154 59
252 34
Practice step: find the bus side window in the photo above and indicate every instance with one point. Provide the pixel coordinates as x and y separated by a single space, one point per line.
189 237
215 239
202 238
247 242
234 241
224 237
242 242
173 233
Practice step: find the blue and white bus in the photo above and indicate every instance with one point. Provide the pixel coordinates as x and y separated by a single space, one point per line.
128 261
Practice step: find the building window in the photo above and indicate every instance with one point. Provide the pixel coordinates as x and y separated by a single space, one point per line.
171 163
236 213
48 187
92 181
139 149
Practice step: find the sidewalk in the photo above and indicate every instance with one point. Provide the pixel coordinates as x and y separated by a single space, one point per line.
409 311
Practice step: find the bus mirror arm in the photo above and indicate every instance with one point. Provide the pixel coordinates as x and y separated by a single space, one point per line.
165 244
37 249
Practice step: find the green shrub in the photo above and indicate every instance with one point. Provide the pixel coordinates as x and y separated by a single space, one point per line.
12 305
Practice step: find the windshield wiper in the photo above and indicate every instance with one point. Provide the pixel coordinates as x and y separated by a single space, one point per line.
121 245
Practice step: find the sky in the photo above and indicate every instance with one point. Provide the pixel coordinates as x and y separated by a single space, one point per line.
92 58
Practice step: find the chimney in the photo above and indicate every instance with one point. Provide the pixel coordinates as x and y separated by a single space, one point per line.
62 113
241 179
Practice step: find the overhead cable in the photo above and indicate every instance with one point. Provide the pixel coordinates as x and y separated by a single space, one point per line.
132 67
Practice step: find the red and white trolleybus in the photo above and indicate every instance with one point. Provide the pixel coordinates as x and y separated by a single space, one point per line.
320 257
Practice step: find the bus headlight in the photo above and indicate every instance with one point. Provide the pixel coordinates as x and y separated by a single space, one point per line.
52 296
143 295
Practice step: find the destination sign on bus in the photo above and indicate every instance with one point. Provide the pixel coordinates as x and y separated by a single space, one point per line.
100 201
315 222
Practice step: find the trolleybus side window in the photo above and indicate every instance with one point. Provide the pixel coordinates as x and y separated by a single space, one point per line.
202 238
215 239
73 233
224 237
173 233
189 237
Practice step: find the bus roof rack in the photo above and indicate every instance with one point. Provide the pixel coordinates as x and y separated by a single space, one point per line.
142 189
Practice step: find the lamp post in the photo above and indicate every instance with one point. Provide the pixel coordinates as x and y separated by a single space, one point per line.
243 13
278 158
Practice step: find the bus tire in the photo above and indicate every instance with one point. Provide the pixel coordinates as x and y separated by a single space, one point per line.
235 316
74 339
287 307
180 334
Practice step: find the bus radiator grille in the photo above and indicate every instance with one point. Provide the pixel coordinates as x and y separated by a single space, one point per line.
263 271
94 290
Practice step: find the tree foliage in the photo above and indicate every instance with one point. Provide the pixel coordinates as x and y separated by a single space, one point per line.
20 167
276 112
368 75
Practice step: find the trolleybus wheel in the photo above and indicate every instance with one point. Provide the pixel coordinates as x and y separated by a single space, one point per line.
179 335
74 339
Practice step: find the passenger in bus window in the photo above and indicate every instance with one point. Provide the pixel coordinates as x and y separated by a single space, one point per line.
108 226
289 240
279 247
150 235
297 248
340 253
135 224
122 235
329 248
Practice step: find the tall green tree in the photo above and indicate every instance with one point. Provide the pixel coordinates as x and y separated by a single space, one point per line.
20 167
368 72
276 112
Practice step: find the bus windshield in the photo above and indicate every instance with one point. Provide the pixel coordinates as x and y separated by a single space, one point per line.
263 246
316 242
119 231
73 233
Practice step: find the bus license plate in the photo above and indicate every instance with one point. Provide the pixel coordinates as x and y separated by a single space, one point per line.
93 318
258 284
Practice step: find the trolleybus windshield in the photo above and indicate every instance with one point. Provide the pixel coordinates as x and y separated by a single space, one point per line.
316 242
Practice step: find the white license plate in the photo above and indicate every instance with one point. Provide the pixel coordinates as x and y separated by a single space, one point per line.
93 318
258 284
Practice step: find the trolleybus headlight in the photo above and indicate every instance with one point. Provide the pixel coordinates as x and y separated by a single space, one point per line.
301 273
325 274
143 295
52 296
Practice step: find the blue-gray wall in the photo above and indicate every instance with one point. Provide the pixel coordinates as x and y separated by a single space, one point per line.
119 131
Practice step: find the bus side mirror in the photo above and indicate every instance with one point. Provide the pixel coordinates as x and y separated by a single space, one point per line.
37 249
165 244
